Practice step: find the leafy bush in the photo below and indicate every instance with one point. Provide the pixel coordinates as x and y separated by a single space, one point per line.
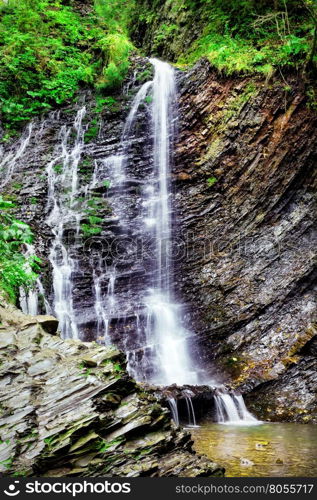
48 50
117 47
15 269
245 36
233 48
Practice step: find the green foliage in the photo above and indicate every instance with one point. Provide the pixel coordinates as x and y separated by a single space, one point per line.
91 133
48 50
211 181
312 97
117 367
58 168
102 102
236 54
15 269
116 13
90 229
117 47
237 36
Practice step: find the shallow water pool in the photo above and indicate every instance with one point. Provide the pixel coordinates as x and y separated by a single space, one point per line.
267 450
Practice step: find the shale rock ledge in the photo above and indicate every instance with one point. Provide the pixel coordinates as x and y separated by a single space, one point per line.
69 408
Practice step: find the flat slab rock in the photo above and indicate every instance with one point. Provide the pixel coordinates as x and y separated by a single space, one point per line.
70 408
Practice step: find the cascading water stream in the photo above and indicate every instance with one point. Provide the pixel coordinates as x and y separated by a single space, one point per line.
190 411
167 337
9 161
113 167
62 189
174 409
231 410
29 299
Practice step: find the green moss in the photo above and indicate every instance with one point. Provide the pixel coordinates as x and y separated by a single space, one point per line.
236 104
48 49
211 181
144 76
104 446
58 168
91 133
90 230
105 102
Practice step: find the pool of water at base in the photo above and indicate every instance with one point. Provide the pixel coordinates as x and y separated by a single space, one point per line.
266 450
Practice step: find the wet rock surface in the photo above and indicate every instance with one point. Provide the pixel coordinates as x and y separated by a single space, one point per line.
292 397
69 408
245 190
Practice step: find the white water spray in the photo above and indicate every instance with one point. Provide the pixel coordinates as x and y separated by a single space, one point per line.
29 299
167 338
62 175
231 410
9 161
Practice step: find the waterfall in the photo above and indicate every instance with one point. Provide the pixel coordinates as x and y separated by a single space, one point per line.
174 409
231 410
113 167
166 335
159 351
134 302
29 299
190 411
62 175
9 161
102 312
245 415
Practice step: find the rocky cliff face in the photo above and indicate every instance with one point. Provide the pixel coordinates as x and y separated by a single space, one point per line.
245 190
70 408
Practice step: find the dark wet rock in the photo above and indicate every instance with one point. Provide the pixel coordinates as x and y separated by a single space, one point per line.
197 399
290 398
245 191
181 392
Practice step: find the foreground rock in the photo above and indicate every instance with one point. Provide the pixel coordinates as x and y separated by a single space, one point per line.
70 408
